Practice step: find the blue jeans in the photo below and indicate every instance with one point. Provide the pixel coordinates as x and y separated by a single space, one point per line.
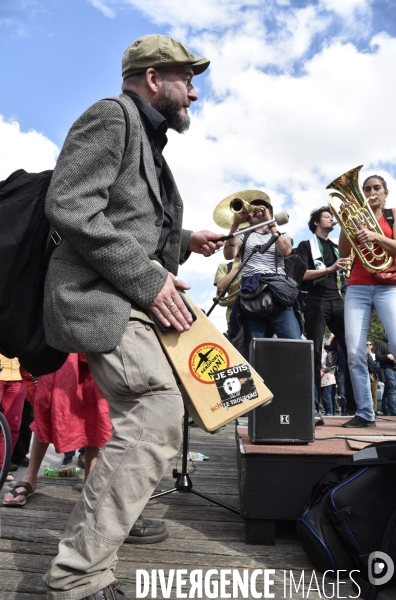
340 377
327 399
359 303
284 322
389 397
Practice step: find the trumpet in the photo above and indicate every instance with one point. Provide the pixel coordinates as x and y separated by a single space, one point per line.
352 211
237 205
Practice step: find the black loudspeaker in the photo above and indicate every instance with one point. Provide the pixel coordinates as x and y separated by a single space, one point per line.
287 369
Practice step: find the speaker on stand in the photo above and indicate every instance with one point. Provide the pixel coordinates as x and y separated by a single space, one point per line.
287 369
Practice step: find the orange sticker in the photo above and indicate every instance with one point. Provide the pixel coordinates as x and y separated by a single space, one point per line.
205 360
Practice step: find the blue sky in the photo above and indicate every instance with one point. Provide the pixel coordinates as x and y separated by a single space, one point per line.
298 92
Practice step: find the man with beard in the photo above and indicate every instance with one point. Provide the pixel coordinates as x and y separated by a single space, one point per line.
115 204
323 303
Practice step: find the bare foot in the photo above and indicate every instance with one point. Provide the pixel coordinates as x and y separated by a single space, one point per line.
9 497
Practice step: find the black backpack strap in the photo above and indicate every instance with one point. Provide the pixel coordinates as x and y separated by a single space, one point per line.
388 214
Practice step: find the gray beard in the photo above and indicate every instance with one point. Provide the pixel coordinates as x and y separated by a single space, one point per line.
169 107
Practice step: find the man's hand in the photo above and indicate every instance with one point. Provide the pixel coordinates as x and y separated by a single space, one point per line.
199 242
169 308
340 263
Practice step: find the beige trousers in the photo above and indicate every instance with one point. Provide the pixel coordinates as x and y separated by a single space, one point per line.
146 410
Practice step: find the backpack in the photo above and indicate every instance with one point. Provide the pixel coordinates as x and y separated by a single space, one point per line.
25 254
331 358
351 515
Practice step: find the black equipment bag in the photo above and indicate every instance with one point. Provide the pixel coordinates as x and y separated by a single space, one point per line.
352 513
24 231
25 256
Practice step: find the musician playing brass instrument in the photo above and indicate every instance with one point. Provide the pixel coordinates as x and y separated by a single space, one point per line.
366 291
262 266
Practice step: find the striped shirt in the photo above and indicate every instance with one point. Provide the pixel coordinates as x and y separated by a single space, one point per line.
261 263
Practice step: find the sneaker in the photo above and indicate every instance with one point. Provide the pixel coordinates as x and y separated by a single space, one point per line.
66 460
359 422
110 592
318 419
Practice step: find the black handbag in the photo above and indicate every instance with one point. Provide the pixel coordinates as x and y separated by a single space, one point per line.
257 304
284 289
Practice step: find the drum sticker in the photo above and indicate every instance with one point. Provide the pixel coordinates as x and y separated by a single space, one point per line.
205 360
235 385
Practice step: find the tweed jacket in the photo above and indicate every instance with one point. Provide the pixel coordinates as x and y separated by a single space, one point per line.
106 205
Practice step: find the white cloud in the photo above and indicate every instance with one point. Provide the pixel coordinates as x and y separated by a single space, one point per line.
29 150
104 6
346 8
217 14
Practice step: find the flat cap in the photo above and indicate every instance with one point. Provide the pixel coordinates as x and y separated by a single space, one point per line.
157 50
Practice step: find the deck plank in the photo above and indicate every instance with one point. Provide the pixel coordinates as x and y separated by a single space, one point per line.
202 535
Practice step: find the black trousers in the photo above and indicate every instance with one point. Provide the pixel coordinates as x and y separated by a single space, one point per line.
22 445
318 313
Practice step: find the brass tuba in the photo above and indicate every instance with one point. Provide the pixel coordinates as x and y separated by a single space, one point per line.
223 214
353 213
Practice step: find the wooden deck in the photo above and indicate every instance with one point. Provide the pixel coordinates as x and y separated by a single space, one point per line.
202 536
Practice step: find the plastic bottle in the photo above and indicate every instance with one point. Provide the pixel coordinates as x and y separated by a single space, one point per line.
67 472
197 456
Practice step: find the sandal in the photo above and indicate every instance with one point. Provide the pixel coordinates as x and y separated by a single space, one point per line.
9 478
27 492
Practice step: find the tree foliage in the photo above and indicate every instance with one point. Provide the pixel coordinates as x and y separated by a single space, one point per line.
376 330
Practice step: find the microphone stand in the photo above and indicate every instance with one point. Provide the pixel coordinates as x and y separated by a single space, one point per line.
183 481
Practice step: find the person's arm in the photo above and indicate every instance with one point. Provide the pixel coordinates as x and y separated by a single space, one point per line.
222 282
381 353
344 247
310 274
231 247
329 345
283 244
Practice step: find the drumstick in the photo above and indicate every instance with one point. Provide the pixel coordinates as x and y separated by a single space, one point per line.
280 218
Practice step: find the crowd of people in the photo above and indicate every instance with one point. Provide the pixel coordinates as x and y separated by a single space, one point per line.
117 210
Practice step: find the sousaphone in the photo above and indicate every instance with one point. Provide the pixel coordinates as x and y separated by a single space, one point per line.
223 214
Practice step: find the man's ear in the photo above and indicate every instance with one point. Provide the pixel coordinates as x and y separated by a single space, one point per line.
152 80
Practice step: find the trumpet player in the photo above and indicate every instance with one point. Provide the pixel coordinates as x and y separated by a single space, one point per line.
365 292
261 266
